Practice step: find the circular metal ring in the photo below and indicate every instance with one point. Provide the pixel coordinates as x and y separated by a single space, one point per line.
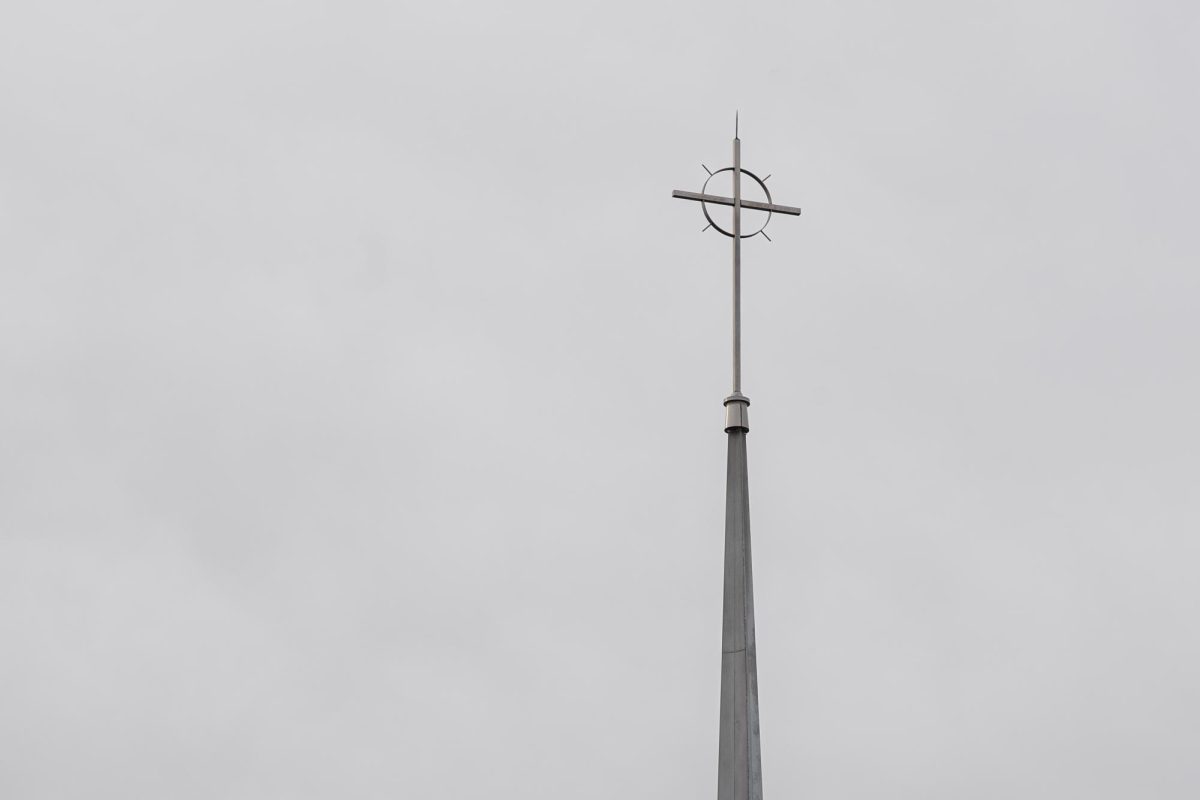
756 179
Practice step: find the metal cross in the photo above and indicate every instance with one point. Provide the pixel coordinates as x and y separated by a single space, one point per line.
736 416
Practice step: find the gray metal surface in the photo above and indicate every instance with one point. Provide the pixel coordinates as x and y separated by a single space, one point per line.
739 774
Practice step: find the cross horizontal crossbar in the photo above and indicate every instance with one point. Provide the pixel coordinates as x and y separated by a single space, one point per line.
728 201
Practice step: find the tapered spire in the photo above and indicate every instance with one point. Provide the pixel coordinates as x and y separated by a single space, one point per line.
739 773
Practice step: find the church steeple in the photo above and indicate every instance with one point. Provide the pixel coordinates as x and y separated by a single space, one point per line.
740 756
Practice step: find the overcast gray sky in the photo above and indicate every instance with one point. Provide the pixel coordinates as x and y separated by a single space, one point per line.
361 422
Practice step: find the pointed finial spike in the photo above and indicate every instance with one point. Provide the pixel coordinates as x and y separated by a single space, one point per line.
735 124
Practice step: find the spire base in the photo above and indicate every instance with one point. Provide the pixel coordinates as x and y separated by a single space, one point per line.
737 412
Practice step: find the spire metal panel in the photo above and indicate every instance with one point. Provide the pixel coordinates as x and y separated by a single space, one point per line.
740 771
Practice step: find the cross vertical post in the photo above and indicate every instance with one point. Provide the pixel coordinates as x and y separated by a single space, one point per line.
737 265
